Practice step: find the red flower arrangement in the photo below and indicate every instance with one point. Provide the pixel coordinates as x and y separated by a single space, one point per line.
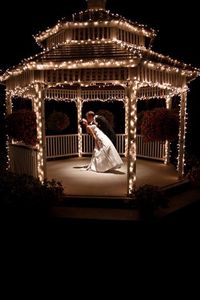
160 124
21 126
57 121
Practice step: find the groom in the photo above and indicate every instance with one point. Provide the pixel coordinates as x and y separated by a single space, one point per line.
103 124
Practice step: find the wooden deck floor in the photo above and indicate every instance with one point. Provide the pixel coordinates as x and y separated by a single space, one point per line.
78 182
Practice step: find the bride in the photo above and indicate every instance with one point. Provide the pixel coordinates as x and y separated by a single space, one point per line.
105 156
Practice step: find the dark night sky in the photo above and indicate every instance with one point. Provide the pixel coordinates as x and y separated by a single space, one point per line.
178 31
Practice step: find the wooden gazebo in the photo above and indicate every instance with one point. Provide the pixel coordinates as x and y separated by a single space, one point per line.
97 55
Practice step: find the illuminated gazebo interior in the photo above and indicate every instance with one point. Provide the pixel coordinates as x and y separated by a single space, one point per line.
98 55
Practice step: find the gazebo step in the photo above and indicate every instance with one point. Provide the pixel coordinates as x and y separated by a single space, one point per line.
118 202
94 202
64 214
177 187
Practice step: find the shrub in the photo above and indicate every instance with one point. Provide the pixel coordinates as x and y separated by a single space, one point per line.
193 171
160 124
57 121
21 126
148 198
26 196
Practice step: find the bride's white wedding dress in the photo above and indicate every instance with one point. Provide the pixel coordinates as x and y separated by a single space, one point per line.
105 157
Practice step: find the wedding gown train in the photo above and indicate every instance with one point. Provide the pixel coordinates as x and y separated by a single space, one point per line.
105 157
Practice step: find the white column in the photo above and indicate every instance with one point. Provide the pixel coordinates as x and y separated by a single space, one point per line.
8 140
79 117
167 143
39 109
8 103
126 104
182 132
132 123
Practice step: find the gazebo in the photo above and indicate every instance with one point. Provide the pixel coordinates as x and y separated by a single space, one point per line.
98 55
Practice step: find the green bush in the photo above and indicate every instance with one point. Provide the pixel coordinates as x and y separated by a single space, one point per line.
148 198
194 175
26 196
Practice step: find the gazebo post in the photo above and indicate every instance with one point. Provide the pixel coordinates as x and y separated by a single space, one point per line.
79 116
38 107
8 103
8 112
167 143
131 142
97 49
126 104
182 131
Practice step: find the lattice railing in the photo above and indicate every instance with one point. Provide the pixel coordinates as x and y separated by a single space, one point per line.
67 145
23 160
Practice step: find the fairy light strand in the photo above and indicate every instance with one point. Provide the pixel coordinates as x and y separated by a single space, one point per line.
35 76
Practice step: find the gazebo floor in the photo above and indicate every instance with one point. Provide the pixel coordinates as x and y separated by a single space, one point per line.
79 182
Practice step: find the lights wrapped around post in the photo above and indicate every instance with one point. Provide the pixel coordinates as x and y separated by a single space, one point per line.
132 123
182 133
79 117
38 106
8 112
126 125
167 143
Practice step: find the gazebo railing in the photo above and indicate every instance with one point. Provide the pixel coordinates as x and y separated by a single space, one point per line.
153 150
67 145
61 145
23 159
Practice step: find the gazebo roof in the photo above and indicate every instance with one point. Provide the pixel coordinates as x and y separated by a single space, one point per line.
94 14
90 51
73 53
79 53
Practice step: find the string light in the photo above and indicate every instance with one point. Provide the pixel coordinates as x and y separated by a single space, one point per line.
120 23
147 73
132 123
37 107
32 63
167 143
79 114
8 109
182 134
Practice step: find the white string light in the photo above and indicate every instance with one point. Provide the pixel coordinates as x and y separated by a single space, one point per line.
145 69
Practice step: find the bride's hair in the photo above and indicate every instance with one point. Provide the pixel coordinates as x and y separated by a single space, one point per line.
83 122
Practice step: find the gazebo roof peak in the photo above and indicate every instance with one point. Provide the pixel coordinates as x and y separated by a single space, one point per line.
96 4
